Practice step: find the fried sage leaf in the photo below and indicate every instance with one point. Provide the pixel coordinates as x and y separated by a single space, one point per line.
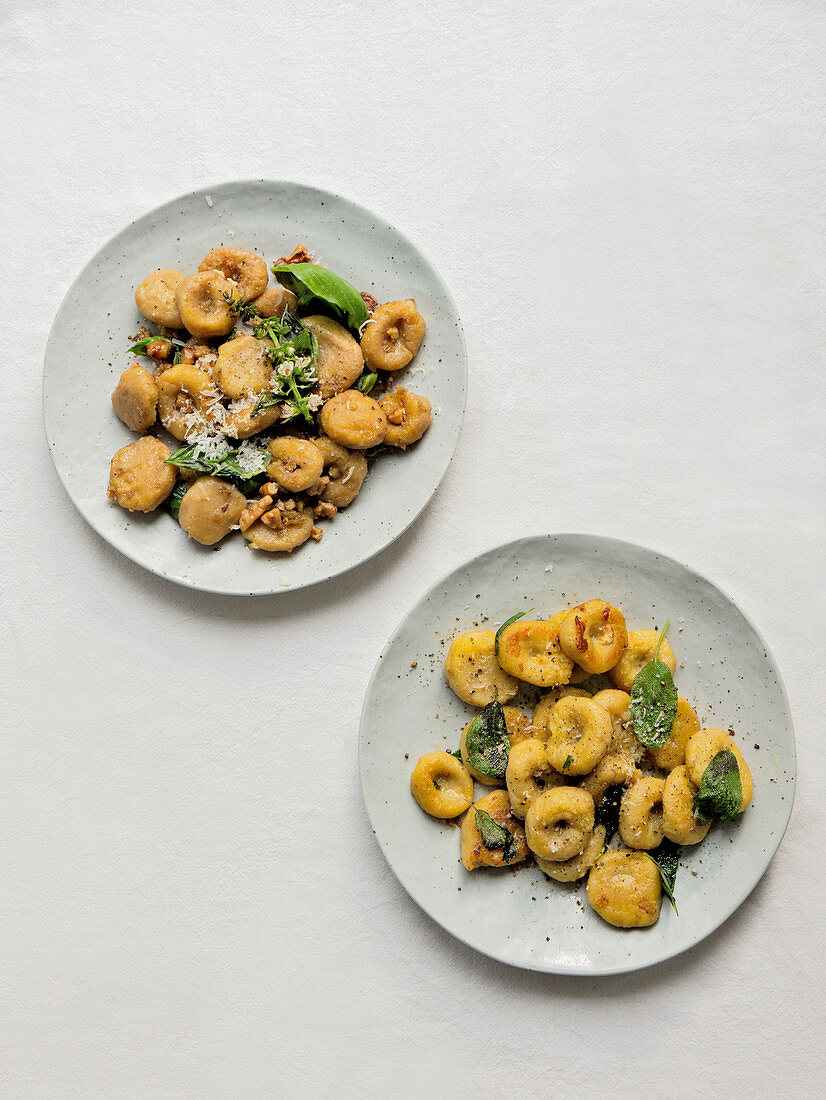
666 858
486 742
607 811
653 705
721 790
495 835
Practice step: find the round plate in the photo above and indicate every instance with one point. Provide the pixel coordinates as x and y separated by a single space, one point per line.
86 353
725 670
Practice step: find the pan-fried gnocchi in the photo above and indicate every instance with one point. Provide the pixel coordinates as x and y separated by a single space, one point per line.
277 395
576 770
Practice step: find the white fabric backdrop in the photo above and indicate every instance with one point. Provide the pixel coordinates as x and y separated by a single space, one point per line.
626 199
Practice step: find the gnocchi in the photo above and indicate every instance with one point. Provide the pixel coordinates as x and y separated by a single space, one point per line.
266 389
529 650
624 887
441 785
475 852
473 671
588 764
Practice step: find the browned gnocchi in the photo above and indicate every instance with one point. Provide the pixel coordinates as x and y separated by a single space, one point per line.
266 388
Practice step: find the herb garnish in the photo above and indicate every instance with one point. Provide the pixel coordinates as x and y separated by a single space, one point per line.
505 625
458 754
244 310
486 742
665 856
175 498
653 705
721 790
143 344
607 812
189 458
315 285
294 356
366 382
568 761
495 836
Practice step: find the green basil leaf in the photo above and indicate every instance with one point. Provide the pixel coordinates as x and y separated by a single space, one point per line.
666 858
505 625
568 761
653 705
721 790
175 497
314 285
176 358
188 458
607 812
458 754
495 836
487 742
366 382
143 344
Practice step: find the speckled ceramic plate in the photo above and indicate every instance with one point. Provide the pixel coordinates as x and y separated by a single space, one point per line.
724 668
86 354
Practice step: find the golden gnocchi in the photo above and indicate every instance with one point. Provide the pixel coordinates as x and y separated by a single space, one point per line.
626 759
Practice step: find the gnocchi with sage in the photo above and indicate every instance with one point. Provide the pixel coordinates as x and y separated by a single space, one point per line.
563 770
275 397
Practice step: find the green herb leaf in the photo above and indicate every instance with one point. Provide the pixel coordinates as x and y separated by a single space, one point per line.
666 858
314 285
243 309
142 345
607 812
721 790
505 625
294 356
495 836
176 358
189 458
653 705
458 754
366 382
487 742
568 761
175 497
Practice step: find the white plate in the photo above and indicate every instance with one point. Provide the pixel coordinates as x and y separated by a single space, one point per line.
725 670
86 353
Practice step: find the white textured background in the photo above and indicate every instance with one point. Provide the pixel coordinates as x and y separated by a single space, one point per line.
626 199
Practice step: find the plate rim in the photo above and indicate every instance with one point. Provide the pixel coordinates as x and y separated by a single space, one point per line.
276 589
571 971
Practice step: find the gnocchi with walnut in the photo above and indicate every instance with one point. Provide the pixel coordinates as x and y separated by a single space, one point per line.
278 396
622 760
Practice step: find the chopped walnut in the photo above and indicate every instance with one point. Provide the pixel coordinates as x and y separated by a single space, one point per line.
188 356
270 488
299 255
273 519
159 350
324 510
318 487
289 505
369 301
254 512
316 533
